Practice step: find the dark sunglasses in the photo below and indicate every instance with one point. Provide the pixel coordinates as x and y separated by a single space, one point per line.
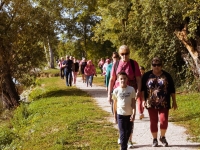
124 54
154 65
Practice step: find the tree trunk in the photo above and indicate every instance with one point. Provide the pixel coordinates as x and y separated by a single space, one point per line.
10 96
46 54
51 57
193 51
85 40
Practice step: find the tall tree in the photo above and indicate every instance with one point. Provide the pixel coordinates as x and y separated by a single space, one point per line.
22 32
151 27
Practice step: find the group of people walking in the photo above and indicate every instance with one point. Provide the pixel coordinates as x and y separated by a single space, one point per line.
126 83
71 67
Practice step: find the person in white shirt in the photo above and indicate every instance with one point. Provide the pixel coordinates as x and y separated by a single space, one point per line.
124 108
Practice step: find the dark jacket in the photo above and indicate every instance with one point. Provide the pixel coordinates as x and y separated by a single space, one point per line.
68 64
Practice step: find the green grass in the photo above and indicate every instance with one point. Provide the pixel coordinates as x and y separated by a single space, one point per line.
188 114
52 71
59 118
99 80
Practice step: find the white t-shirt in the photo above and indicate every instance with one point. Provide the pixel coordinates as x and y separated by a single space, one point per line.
124 96
104 68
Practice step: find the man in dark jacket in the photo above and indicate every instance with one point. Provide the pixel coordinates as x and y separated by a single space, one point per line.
68 70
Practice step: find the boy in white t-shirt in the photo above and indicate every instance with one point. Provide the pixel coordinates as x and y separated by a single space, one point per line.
124 108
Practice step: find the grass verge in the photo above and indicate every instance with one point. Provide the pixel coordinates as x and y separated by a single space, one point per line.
99 80
59 118
188 114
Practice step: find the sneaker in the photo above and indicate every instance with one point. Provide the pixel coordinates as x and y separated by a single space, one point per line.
155 143
118 141
141 116
130 145
163 141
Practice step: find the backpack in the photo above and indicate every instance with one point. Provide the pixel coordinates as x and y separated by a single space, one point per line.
133 82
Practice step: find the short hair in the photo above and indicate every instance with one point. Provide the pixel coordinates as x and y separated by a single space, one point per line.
122 73
142 68
115 54
157 60
124 47
89 62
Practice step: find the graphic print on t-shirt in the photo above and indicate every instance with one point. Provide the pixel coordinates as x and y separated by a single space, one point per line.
157 91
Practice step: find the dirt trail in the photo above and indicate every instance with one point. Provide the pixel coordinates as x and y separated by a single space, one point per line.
175 135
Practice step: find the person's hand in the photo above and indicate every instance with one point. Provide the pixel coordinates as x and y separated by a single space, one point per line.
115 120
174 105
132 118
138 94
110 99
143 103
96 75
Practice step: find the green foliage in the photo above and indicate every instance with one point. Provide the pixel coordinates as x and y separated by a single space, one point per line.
51 71
20 118
6 137
149 30
36 93
63 118
99 80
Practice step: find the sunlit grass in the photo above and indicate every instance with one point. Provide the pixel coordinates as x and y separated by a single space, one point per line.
52 71
188 114
99 80
61 118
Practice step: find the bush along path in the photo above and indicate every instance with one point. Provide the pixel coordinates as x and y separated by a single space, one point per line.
176 136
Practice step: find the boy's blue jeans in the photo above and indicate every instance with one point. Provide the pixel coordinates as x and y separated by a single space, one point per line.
125 129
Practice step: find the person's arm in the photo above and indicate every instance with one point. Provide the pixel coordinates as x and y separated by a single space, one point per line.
174 104
133 109
110 87
138 79
115 110
139 85
172 90
143 88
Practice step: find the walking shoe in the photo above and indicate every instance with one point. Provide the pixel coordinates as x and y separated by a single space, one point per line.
118 141
141 116
155 143
163 141
130 145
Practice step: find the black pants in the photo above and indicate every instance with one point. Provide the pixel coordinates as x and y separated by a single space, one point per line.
125 129
62 73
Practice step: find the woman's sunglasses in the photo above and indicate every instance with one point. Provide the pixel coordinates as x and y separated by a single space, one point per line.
124 54
154 65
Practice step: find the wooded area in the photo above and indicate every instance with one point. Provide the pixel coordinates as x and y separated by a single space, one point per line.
34 33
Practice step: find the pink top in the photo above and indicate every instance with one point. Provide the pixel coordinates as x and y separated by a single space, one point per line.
60 64
126 67
101 63
89 70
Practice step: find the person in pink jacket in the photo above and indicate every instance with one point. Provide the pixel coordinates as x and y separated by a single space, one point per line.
89 72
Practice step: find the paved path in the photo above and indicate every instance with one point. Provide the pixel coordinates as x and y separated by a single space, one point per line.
175 135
